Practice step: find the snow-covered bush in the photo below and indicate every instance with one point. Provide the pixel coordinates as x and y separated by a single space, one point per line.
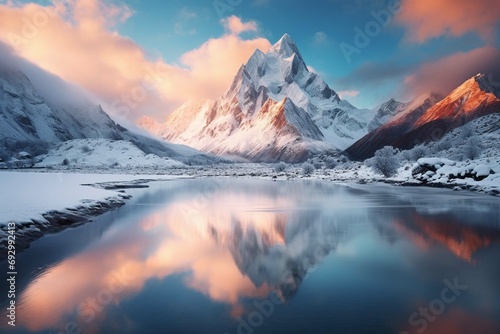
466 131
330 163
443 145
386 161
308 169
317 164
280 167
86 149
405 155
4 155
472 148
420 151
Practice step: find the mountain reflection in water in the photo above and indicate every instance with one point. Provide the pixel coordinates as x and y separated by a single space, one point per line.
243 240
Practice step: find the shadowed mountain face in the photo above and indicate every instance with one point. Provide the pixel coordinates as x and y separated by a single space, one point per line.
26 115
431 119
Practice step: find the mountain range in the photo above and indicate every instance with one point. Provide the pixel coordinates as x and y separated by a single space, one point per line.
277 109
431 116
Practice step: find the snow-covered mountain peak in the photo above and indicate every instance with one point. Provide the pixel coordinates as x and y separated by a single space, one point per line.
280 73
285 47
275 109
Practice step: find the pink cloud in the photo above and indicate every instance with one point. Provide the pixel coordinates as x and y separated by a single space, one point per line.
448 73
214 68
427 19
236 26
348 93
77 40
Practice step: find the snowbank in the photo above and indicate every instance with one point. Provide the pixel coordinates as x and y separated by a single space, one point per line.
85 153
45 202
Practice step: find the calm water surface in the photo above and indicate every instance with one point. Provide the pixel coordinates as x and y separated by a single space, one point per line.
249 256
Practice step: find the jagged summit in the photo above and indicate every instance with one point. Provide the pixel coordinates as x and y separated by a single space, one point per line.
280 73
285 47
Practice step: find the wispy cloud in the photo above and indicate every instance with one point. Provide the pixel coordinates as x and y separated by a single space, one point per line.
187 14
320 38
348 93
236 26
183 25
427 19
181 30
445 74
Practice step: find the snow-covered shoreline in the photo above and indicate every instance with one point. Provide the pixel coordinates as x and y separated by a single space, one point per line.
40 202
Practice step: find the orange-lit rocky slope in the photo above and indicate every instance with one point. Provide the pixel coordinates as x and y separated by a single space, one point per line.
430 120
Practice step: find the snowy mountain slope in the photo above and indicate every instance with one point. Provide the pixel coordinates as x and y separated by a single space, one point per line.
486 128
467 157
150 125
279 132
386 112
27 115
432 119
184 122
473 99
85 153
401 124
181 121
47 111
230 124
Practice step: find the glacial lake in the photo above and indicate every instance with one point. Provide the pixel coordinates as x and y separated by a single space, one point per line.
222 255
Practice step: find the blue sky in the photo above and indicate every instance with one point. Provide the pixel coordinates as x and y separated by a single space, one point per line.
109 47
318 27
